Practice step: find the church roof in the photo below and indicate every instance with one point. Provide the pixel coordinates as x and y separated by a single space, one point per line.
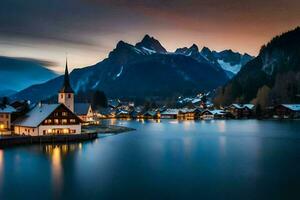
81 108
66 87
36 116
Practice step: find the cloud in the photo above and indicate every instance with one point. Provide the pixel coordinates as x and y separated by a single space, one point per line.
43 62
94 26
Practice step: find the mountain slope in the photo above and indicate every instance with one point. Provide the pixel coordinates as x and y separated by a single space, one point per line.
231 62
140 71
17 74
277 67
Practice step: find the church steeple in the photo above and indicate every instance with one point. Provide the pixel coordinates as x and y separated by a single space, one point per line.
66 88
66 93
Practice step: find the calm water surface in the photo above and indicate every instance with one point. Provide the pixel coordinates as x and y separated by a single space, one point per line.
162 160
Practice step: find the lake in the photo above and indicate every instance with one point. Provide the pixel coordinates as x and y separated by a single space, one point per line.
167 159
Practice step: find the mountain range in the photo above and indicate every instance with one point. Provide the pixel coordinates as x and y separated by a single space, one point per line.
272 77
146 69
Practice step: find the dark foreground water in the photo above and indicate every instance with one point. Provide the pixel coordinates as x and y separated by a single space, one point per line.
167 160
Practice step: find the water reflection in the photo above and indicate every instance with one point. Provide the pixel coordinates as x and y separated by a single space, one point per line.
221 126
57 153
1 168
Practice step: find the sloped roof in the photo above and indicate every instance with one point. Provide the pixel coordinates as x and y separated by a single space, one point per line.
105 111
66 87
122 112
215 112
36 116
241 106
293 107
81 108
170 112
150 113
7 109
186 110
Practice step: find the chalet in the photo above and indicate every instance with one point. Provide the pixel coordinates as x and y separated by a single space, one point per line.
241 110
84 112
213 114
189 114
47 119
122 114
287 111
151 115
169 114
5 117
136 114
105 113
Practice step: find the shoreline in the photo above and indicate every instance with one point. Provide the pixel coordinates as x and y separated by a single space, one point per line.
88 134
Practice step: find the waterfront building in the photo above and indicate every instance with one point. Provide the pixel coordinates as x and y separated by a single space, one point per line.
5 118
169 114
84 111
214 114
189 114
105 113
241 110
151 115
287 111
49 119
123 114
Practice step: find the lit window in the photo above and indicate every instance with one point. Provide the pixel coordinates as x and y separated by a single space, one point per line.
56 121
64 114
72 121
64 121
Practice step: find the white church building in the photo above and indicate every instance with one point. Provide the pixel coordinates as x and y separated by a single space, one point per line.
49 119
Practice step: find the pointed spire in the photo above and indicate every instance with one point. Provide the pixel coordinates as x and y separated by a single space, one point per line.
66 88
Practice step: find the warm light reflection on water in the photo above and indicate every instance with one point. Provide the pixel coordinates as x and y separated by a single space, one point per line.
221 126
1 168
57 153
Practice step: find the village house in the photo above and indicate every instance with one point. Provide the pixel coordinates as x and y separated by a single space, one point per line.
189 114
169 114
136 114
287 111
105 113
48 119
214 114
151 115
241 110
122 114
84 111
5 118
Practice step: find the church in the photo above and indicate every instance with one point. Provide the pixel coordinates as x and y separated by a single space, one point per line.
49 119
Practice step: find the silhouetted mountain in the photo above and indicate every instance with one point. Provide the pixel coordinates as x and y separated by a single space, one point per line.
17 74
132 71
228 60
193 52
150 45
277 67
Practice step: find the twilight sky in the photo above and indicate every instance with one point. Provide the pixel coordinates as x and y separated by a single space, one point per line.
89 29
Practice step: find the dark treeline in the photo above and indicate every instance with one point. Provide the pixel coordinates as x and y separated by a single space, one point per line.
273 77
